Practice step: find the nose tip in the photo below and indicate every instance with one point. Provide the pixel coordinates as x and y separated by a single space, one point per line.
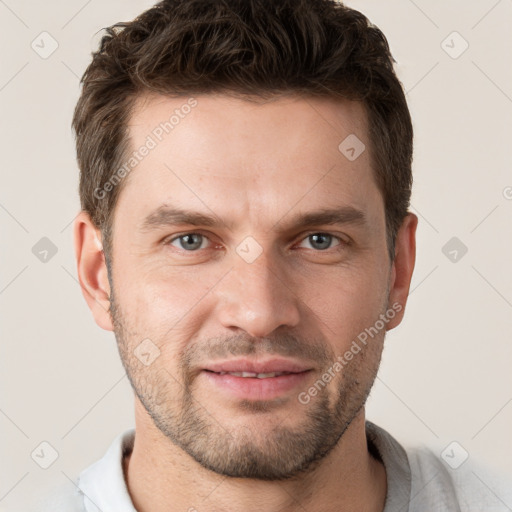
260 317
258 300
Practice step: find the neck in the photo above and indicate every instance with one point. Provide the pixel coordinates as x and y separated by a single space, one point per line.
159 473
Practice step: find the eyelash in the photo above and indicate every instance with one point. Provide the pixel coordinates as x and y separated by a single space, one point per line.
342 243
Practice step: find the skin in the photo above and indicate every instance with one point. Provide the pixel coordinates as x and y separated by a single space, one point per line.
253 165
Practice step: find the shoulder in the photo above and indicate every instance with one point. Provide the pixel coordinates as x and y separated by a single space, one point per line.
438 477
65 497
451 476
99 487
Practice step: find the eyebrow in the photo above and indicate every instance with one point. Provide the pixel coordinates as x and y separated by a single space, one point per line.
165 216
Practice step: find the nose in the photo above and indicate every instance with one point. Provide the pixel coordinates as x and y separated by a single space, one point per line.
258 297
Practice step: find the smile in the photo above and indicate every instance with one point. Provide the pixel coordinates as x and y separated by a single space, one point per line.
255 375
247 385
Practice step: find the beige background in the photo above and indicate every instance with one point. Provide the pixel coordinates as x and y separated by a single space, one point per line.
446 370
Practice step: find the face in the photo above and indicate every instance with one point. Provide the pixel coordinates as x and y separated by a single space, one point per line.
249 254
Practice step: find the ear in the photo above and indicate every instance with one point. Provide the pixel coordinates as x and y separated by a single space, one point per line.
92 269
402 268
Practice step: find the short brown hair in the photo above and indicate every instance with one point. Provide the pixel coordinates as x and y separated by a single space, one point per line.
261 48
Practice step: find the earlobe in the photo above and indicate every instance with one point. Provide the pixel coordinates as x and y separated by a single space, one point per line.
402 268
92 269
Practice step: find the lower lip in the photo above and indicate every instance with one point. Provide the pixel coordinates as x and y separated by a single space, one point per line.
252 388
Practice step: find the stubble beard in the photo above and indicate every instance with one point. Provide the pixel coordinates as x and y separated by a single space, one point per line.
276 453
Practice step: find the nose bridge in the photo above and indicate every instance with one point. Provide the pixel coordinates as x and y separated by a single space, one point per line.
256 295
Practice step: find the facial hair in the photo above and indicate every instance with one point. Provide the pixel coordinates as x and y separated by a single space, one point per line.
280 453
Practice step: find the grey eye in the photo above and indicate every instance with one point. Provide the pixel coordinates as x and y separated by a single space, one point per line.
190 241
321 241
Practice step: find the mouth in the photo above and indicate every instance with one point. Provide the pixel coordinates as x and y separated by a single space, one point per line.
251 380
254 375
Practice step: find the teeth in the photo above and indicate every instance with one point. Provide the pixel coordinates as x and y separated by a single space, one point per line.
254 375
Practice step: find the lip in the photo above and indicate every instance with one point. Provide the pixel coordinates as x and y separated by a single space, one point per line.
265 366
253 388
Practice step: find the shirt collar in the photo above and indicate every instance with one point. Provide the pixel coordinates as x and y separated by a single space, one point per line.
104 487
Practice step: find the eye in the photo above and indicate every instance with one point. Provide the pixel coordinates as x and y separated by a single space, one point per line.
193 242
322 241
189 241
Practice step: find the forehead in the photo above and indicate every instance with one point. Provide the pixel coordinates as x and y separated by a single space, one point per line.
216 116
256 159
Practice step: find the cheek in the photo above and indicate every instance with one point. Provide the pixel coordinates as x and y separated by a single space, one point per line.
348 303
168 306
159 291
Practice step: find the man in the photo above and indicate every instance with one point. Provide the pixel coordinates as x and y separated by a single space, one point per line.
245 183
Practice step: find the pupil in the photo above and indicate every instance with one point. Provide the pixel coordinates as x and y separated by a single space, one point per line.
318 240
189 241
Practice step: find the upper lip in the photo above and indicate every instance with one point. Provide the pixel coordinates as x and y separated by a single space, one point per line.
266 366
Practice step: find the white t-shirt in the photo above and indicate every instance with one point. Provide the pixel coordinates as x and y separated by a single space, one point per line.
418 481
